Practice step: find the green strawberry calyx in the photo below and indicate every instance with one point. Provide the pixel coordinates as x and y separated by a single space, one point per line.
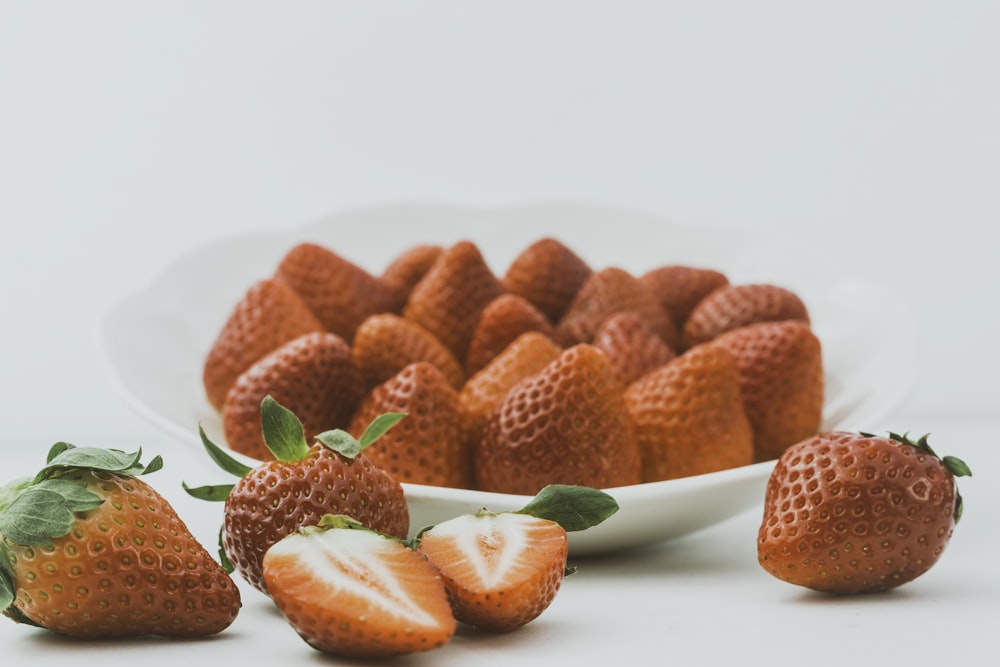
956 466
36 510
285 438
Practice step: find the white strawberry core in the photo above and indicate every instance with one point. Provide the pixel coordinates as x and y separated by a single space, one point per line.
492 544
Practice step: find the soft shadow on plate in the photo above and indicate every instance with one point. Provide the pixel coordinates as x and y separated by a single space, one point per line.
155 340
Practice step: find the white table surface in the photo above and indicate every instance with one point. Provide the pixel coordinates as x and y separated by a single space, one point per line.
701 599
132 132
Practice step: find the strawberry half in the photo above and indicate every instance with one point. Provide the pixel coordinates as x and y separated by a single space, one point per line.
857 513
303 483
355 593
88 549
502 570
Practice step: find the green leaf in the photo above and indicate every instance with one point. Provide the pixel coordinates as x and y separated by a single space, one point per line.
572 507
956 466
76 497
58 449
7 587
93 458
154 465
379 426
221 458
214 493
35 517
341 442
11 490
283 432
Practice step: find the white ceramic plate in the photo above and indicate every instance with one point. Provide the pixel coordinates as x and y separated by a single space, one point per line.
156 339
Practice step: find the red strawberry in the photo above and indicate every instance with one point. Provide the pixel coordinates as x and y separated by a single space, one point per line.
679 288
269 315
302 484
548 275
429 446
404 272
567 424
781 380
605 293
484 391
385 344
504 319
855 513
689 416
632 346
90 550
735 306
451 296
355 593
340 293
502 570
314 376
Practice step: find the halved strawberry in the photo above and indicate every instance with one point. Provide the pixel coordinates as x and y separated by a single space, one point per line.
303 483
340 293
502 570
268 315
355 593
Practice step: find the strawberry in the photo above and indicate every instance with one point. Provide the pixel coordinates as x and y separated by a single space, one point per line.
313 375
502 570
679 288
857 513
734 306
689 416
355 593
482 393
429 447
504 319
404 272
606 292
340 293
90 550
268 315
451 296
274 498
385 344
548 274
566 424
632 346
781 381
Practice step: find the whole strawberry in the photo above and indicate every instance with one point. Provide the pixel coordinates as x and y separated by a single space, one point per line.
276 498
857 513
88 549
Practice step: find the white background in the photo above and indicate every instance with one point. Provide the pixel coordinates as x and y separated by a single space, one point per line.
131 132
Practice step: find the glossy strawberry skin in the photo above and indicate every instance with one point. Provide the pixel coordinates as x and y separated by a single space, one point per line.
314 375
567 424
733 306
845 513
386 343
781 379
268 315
130 567
406 270
355 593
689 416
429 445
503 320
632 346
680 288
340 293
548 274
501 571
276 498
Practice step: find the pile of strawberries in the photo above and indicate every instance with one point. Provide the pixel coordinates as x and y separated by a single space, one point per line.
552 372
